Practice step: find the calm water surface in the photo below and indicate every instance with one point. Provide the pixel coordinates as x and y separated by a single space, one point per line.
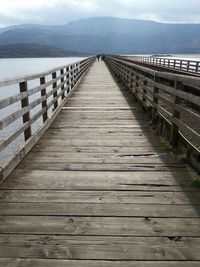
13 67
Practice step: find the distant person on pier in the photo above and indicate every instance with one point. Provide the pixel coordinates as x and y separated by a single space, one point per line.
98 57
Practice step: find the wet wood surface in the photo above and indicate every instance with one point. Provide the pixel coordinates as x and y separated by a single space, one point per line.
98 189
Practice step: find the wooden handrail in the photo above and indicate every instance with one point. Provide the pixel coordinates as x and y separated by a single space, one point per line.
53 95
174 98
185 65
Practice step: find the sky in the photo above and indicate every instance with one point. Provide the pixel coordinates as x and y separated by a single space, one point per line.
58 12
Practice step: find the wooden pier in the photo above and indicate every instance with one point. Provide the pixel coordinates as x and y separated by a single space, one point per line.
99 190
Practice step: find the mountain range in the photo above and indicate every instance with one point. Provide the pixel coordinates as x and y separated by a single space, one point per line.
108 35
33 50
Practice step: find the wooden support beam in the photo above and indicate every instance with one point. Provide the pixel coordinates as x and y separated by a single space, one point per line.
25 103
44 103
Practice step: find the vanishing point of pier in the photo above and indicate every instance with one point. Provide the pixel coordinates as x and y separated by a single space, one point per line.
95 185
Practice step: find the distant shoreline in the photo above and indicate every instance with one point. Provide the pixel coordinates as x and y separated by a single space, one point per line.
24 57
35 51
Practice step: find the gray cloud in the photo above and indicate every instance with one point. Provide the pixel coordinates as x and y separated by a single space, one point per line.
62 12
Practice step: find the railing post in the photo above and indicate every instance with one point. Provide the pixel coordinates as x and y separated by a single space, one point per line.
76 76
73 74
25 103
181 64
144 95
174 135
136 85
188 66
68 79
55 93
155 101
164 62
121 73
127 78
197 67
124 78
157 61
71 77
131 81
44 102
78 71
62 86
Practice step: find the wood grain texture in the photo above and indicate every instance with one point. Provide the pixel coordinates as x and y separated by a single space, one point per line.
17 262
125 197
104 226
98 189
99 248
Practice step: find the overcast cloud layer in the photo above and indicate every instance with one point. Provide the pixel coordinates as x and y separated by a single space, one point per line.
62 11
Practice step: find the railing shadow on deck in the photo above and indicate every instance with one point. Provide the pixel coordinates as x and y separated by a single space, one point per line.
27 115
160 116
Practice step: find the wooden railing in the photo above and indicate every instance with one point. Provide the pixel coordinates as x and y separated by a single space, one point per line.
178 64
36 106
172 98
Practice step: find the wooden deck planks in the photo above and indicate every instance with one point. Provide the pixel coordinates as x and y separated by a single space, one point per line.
98 248
99 190
12 262
104 226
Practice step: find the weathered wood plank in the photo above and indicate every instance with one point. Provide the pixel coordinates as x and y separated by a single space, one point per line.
96 149
99 142
100 157
87 134
89 180
100 122
87 196
12 262
127 137
100 115
100 103
90 166
103 226
100 118
99 248
103 209
117 129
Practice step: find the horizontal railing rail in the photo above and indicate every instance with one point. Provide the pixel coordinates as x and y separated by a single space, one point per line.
192 66
173 98
39 103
